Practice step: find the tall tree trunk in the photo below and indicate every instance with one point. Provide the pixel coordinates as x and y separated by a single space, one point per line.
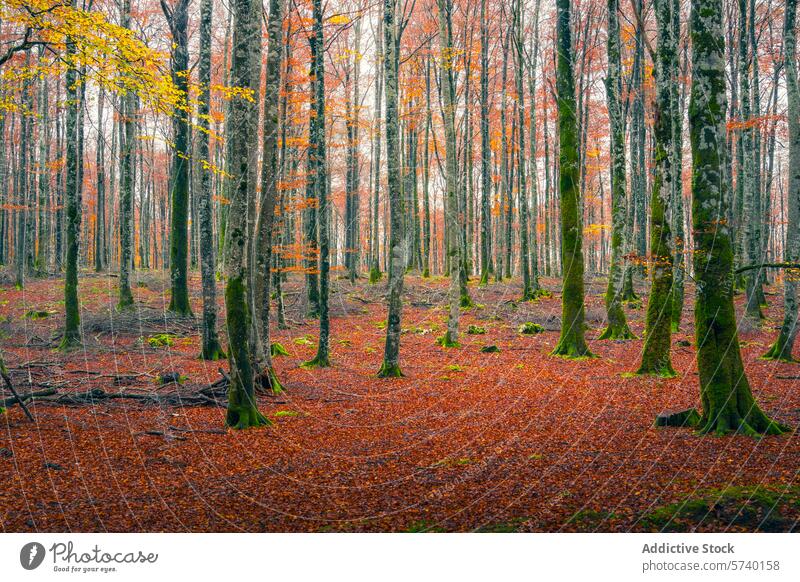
245 62
127 148
178 19
100 209
72 330
505 195
522 191
782 348
658 320
380 66
678 213
426 240
43 247
269 191
728 404
352 221
317 148
486 154
617 328
453 235
572 343
534 172
391 353
211 348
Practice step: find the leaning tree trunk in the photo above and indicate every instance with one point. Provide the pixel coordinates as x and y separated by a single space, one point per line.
572 343
782 348
242 411
211 348
728 404
72 331
658 320
391 353
617 324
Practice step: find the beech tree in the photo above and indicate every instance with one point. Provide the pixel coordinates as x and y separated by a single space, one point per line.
572 342
177 16
728 404
452 235
72 331
245 65
782 348
617 324
391 65
658 322
211 348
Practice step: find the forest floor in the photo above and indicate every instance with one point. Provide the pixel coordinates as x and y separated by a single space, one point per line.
466 441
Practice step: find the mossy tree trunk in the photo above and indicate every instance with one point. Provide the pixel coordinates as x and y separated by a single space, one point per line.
678 212
749 230
72 324
533 169
177 17
572 342
391 353
352 218
245 62
728 404
100 209
126 162
617 324
426 175
269 193
317 149
504 185
658 320
374 246
486 153
522 192
638 161
211 348
452 231
782 348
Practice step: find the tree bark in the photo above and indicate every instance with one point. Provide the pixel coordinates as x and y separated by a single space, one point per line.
784 344
572 342
617 328
728 404
211 348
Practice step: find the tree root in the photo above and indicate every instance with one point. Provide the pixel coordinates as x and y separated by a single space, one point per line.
390 371
666 372
447 342
617 332
779 353
755 425
244 417
569 351
316 362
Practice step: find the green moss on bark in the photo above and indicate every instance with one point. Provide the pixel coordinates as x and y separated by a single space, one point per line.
728 403
390 371
242 411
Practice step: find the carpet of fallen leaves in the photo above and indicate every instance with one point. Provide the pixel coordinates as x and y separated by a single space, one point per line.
465 441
